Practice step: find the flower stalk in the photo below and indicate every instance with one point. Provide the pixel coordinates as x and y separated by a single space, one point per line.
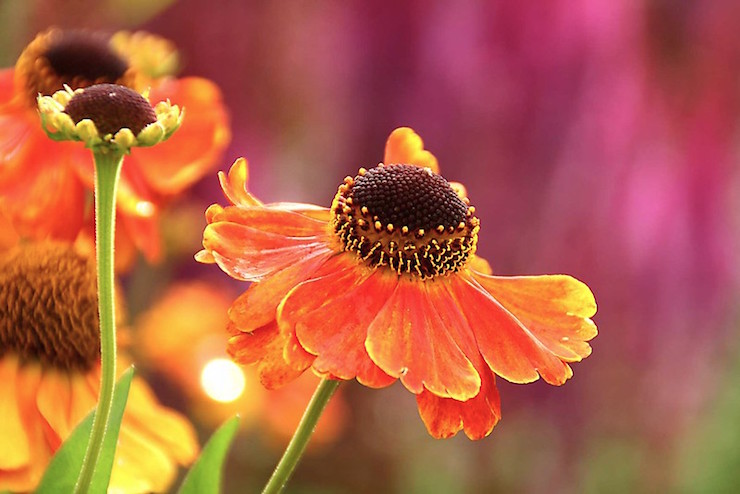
324 391
107 171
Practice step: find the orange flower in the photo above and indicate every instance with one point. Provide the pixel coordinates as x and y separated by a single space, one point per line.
385 285
198 310
46 186
50 370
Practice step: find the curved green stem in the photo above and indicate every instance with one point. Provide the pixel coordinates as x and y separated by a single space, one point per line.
107 171
298 443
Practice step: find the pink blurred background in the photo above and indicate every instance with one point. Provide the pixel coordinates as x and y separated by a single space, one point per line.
596 138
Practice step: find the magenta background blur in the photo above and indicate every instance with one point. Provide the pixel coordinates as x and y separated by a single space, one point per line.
596 138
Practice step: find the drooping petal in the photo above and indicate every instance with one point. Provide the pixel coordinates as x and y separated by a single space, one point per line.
410 341
556 309
406 147
330 315
173 165
509 348
444 417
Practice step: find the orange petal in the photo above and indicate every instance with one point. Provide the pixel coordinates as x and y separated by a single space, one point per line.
39 189
444 417
258 305
266 345
330 316
408 339
234 184
555 309
173 165
15 451
406 147
479 264
509 348
7 86
250 253
143 233
286 222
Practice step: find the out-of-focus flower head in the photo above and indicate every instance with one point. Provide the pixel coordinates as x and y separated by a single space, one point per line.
194 358
50 370
46 186
385 286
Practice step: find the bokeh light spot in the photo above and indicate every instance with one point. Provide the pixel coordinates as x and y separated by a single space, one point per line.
222 380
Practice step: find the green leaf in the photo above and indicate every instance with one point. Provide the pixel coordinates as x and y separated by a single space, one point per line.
205 475
61 474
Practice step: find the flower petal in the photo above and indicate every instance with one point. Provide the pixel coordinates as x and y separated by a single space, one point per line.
234 184
556 309
406 147
53 202
7 86
408 339
173 165
330 315
161 426
16 449
444 417
257 306
256 251
509 348
54 401
266 345
139 465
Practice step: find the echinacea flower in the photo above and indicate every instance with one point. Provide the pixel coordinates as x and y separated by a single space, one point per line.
385 286
50 374
46 186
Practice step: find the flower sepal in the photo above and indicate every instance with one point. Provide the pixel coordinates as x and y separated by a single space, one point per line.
71 115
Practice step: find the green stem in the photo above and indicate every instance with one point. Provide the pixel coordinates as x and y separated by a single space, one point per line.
107 171
298 443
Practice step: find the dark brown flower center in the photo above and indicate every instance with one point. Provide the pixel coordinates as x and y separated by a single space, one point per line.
48 306
76 58
406 218
410 196
85 55
112 108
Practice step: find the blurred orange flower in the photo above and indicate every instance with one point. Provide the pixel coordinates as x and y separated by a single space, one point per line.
384 286
50 370
195 359
46 186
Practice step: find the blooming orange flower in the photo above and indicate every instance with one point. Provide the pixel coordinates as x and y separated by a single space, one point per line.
385 285
50 373
46 186
198 310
